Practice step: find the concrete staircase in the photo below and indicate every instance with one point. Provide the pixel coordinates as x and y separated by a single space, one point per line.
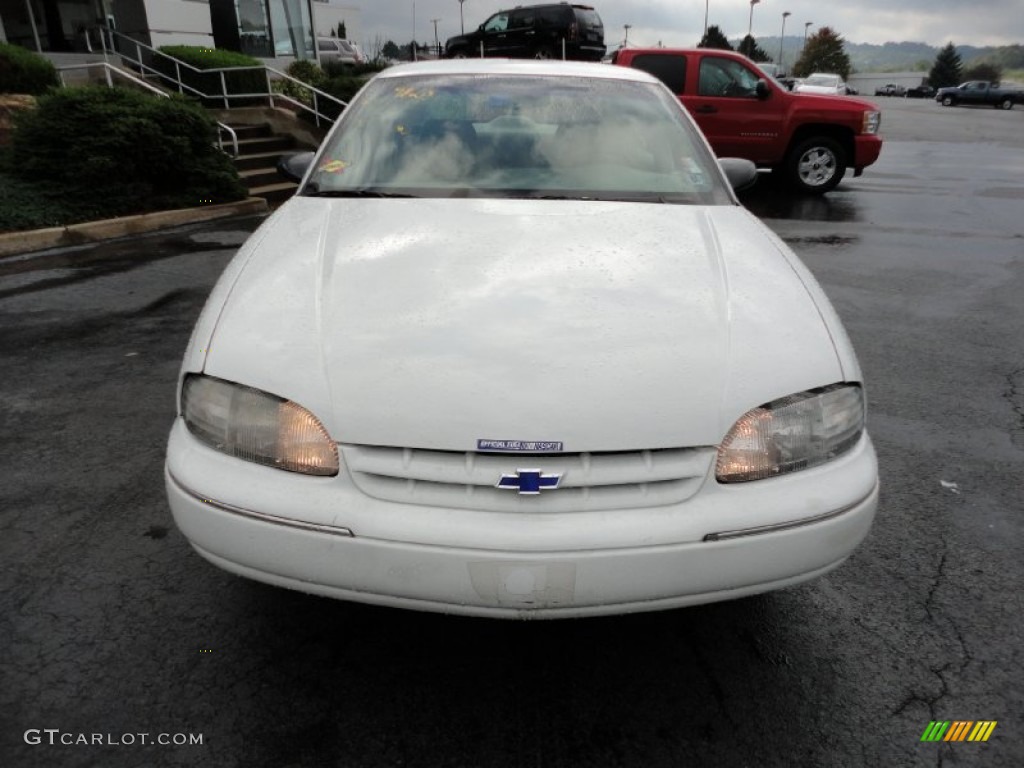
259 149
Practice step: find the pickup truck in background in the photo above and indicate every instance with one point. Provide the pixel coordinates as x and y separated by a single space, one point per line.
979 92
810 140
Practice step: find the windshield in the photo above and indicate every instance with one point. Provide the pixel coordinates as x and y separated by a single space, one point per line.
517 136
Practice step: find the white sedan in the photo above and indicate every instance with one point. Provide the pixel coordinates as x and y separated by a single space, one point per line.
514 349
822 84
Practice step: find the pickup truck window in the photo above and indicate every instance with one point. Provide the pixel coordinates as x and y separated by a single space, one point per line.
725 77
669 68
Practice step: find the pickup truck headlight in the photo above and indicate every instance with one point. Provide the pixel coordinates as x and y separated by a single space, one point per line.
793 433
872 122
256 426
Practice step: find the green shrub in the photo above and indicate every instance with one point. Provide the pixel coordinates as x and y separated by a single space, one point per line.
335 68
22 71
343 88
308 72
29 205
111 151
252 81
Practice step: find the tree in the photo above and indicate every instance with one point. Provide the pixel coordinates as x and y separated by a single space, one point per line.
390 50
749 48
714 38
947 69
342 32
824 52
983 71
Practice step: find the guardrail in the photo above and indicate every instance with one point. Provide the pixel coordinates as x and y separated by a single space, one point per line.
145 56
110 71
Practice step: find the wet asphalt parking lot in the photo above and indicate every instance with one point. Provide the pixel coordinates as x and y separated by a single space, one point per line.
111 626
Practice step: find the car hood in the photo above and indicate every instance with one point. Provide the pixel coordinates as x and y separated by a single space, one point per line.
599 325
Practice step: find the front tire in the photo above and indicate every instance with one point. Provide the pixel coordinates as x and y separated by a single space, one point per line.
947 101
544 53
816 165
1006 103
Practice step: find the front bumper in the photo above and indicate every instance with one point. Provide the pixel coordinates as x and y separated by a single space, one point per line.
866 150
322 535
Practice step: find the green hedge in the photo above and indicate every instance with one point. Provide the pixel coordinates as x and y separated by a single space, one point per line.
341 87
110 151
252 81
308 72
335 68
22 71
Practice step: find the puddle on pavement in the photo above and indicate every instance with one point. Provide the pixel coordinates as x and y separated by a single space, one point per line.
769 199
122 255
75 264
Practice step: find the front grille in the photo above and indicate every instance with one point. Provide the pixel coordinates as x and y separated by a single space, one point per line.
590 481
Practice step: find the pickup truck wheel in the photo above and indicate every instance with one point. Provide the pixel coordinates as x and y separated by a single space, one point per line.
816 165
544 52
947 101
458 53
1006 103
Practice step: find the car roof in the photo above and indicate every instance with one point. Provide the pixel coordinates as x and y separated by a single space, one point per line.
518 67
634 49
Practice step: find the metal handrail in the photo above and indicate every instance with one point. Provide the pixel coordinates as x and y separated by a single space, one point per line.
182 87
109 70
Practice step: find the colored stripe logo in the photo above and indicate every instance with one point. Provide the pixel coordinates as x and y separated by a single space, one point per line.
958 730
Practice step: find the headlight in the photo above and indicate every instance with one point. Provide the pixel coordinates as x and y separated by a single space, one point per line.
256 426
872 122
796 432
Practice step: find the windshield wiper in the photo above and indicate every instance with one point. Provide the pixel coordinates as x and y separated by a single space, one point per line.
312 191
664 199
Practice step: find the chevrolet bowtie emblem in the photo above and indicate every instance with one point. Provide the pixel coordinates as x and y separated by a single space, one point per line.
529 482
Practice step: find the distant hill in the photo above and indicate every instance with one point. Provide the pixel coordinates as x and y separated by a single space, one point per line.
898 57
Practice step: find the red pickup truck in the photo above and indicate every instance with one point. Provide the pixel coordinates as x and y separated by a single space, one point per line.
811 140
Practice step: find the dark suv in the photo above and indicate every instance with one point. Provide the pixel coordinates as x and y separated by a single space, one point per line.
535 32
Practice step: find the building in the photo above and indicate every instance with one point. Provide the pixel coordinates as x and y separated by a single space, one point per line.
263 28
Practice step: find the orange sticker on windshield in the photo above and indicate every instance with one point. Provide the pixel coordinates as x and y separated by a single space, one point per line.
334 166
406 92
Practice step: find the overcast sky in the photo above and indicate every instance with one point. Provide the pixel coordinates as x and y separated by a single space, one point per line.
681 22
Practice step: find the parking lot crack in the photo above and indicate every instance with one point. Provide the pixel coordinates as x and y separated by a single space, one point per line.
951 669
1014 394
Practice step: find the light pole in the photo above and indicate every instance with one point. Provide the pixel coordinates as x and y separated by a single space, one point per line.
437 43
462 22
627 27
706 18
806 25
750 21
782 38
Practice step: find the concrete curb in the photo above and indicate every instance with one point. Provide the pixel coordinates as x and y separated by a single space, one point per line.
17 243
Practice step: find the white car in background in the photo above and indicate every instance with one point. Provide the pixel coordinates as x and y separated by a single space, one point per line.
337 49
514 349
822 83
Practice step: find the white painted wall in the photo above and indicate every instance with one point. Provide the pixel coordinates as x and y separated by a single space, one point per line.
179 22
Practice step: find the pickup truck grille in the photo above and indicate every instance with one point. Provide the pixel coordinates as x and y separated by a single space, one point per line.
589 481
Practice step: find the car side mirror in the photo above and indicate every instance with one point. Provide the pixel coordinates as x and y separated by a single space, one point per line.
762 90
741 173
294 166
